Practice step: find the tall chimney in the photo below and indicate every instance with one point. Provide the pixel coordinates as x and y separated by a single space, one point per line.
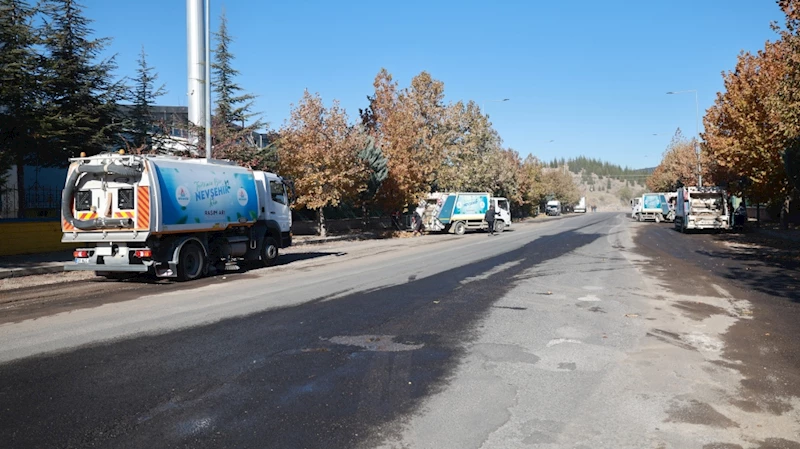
196 59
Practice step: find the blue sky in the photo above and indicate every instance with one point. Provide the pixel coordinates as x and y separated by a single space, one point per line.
590 76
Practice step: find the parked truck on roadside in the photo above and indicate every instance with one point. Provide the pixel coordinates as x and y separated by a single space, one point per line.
580 208
458 212
553 207
170 216
702 208
652 207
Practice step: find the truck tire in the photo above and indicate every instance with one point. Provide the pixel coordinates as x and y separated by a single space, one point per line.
269 252
459 228
659 218
191 262
639 216
499 226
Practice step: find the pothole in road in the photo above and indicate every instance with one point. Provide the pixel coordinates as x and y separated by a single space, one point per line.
378 343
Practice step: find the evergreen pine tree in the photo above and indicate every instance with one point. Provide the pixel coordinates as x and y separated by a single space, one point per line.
18 91
378 170
80 111
231 134
143 96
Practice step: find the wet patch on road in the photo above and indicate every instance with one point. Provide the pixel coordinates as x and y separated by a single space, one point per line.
698 311
696 412
722 446
380 343
504 353
670 338
778 443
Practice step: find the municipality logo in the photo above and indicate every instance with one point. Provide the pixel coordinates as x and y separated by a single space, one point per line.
182 195
241 196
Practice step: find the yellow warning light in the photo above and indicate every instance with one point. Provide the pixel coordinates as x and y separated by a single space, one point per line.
121 151
83 154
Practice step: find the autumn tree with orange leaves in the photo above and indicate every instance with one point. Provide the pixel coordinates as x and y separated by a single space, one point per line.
745 133
678 166
408 125
319 150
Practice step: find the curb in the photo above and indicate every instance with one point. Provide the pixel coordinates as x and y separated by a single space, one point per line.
58 267
21 272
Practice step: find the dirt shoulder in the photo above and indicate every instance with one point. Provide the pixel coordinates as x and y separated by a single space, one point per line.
758 268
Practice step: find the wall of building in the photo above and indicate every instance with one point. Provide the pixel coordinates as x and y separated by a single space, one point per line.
31 237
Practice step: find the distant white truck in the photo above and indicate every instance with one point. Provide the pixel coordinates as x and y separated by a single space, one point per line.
553 207
652 207
581 207
702 208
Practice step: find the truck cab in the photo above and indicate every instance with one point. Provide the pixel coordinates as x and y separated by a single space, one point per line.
553 207
503 211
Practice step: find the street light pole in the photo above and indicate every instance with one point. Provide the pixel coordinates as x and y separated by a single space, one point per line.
697 132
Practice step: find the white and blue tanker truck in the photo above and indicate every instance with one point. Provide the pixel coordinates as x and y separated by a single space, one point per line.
170 216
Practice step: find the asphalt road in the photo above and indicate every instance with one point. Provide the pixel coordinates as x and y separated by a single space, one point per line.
584 332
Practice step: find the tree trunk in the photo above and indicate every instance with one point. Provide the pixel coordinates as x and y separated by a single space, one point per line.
785 212
20 185
323 229
366 218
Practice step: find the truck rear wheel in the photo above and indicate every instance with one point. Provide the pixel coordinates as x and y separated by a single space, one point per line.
459 228
191 262
269 252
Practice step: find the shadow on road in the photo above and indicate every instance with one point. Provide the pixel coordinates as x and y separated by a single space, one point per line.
325 373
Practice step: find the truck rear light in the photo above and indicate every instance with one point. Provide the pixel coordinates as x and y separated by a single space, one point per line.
80 254
143 253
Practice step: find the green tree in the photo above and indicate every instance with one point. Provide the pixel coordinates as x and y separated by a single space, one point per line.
625 194
234 122
143 96
791 162
80 112
18 91
377 169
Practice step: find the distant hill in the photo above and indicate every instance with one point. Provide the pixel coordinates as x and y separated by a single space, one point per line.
602 169
607 186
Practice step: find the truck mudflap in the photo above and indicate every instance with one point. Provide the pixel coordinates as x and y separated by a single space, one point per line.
67 197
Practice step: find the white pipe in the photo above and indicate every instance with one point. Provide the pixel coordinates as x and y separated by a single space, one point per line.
208 81
195 53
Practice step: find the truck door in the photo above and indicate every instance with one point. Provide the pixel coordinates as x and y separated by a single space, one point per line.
279 205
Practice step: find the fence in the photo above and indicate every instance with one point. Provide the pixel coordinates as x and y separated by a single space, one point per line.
40 202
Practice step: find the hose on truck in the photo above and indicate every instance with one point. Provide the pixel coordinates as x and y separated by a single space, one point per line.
68 197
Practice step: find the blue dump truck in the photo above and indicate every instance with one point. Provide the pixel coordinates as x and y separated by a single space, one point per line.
458 212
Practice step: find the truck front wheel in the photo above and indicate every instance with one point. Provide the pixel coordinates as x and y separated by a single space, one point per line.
190 262
499 226
269 252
